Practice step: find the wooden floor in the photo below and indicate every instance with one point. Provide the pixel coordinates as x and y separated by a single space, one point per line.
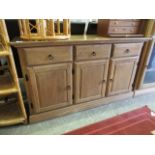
73 121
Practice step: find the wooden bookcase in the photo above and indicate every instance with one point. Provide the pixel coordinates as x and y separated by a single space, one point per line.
11 112
142 85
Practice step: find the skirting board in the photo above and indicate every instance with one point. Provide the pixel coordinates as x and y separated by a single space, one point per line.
143 91
77 107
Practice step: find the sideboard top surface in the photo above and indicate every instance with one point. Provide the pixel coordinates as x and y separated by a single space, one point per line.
77 39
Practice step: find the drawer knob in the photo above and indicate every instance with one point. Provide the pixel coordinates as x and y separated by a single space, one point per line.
50 57
127 51
110 80
93 53
68 87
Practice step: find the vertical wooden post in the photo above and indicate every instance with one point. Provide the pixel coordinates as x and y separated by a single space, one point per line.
20 27
149 28
65 27
52 27
38 27
69 27
48 28
42 28
27 28
23 28
58 26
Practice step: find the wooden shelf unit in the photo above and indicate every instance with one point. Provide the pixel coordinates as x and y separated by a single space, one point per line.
10 114
14 113
7 86
4 53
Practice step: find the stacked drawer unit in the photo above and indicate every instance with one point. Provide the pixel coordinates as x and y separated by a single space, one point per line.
126 27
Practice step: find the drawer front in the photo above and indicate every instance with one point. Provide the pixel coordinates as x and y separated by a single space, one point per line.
124 23
47 55
129 49
90 52
120 30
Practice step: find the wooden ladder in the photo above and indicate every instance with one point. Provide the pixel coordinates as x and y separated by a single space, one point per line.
10 113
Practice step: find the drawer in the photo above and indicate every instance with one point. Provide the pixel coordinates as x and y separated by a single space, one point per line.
129 49
90 52
126 30
47 55
124 23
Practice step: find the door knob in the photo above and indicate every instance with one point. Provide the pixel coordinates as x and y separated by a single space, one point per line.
103 81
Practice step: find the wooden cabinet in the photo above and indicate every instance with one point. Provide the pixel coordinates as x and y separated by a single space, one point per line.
90 80
121 75
50 86
74 75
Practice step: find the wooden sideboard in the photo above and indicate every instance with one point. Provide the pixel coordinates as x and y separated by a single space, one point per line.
76 74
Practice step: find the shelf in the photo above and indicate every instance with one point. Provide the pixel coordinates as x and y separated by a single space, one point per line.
4 53
12 110
7 86
10 114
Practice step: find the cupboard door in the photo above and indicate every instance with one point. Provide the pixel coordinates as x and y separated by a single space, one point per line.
50 86
121 76
90 80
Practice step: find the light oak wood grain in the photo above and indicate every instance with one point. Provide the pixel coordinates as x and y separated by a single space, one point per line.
91 52
121 76
48 55
90 80
10 85
126 50
51 86
90 83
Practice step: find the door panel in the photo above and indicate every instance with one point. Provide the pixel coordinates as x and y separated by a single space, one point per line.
51 86
90 80
121 76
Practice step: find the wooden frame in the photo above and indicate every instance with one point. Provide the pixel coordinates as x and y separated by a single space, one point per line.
14 113
145 57
44 29
78 107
